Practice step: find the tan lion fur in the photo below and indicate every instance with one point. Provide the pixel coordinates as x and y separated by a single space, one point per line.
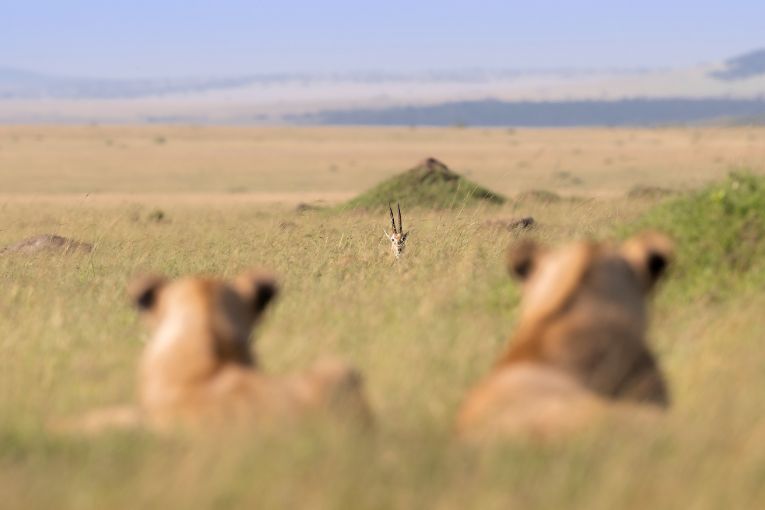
198 370
579 352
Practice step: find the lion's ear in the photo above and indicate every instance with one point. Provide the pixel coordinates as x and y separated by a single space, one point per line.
521 259
143 290
649 254
258 288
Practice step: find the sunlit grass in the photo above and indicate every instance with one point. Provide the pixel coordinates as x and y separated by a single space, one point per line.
421 330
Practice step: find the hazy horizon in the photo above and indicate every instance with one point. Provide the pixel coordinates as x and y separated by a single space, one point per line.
85 38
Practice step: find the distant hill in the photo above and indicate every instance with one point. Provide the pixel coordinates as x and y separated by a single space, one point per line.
429 184
627 112
24 84
744 66
21 84
729 92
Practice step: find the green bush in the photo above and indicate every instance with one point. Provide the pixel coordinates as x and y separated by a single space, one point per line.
719 234
430 184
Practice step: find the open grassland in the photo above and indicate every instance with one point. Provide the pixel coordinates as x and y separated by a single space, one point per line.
275 162
422 330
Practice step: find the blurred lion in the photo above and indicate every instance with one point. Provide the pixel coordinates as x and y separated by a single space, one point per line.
579 353
198 371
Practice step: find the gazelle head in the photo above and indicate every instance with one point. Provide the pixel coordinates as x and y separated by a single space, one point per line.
398 237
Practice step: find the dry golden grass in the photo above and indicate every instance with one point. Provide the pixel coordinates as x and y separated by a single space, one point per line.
422 331
337 161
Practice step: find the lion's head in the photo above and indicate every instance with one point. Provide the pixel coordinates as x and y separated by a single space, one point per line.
211 317
198 368
583 310
579 353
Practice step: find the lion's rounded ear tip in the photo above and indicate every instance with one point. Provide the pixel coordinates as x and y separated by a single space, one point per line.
656 264
261 281
658 242
140 280
261 276
651 251
142 289
520 258
261 286
269 283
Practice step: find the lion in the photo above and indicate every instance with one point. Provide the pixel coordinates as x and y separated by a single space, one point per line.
579 353
198 370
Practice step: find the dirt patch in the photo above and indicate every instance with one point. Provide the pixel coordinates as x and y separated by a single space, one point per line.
47 242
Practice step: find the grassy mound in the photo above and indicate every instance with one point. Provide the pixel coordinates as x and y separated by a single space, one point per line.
719 234
429 184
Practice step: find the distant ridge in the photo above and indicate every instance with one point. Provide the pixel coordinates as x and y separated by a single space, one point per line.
726 93
429 184
744 66
22 84
492 112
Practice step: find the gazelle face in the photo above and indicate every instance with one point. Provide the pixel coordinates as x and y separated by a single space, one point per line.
397 244
398 237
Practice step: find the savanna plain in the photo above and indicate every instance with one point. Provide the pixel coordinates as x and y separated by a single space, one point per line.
218 200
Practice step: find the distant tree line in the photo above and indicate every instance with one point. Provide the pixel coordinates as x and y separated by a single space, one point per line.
491 112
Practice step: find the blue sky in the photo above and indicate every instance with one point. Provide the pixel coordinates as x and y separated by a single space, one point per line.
140 38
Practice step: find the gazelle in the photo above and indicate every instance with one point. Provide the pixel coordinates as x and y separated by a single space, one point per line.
398 237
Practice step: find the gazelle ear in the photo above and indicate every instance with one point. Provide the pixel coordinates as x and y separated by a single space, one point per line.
403 238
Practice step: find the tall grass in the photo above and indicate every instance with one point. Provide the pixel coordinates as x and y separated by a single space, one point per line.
421 330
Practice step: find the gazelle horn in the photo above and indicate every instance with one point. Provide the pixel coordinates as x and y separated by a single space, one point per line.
400 223
393 220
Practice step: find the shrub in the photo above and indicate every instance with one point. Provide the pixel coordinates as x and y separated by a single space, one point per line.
719 233
430 184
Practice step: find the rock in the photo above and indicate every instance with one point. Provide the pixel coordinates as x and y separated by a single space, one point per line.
525 223
433 169
304 207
